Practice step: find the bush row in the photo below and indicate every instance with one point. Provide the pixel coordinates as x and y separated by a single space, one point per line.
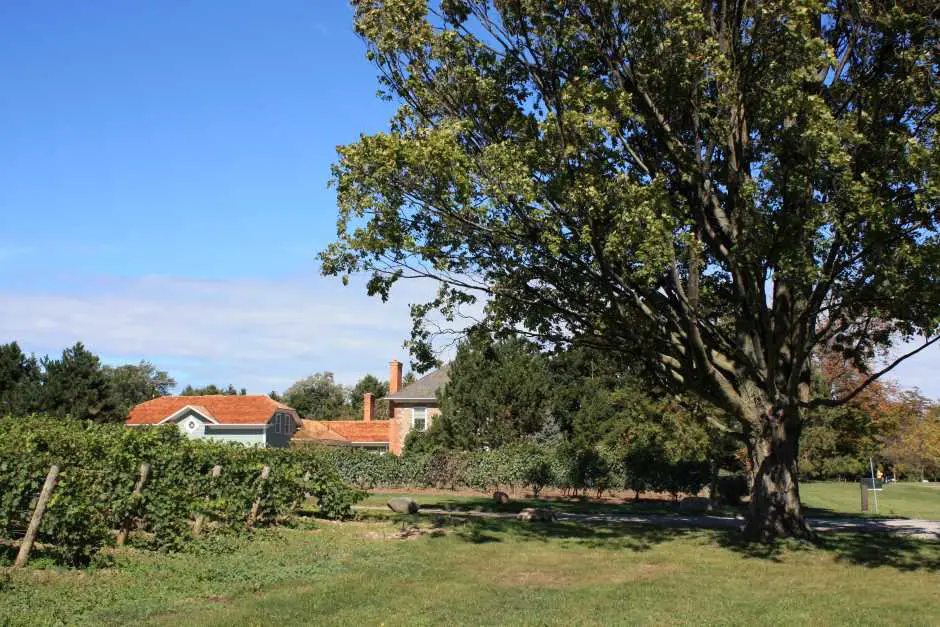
100 465
563 466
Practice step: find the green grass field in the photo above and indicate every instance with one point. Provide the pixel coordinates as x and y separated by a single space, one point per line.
458 572
901 500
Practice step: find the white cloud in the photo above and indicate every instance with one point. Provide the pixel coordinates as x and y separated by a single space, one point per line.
261 334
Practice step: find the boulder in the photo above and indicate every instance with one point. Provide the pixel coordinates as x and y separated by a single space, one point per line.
403 505
695 504
500 497
537 514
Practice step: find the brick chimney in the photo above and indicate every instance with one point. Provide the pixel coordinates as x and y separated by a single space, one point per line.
394 376
368 407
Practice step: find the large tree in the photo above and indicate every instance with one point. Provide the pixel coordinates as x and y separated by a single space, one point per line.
715 188
135 383
318 397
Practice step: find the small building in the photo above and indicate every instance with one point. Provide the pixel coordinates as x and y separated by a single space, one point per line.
412 407
253 420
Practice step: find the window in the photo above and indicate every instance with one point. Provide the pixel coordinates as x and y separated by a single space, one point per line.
419 418
282 424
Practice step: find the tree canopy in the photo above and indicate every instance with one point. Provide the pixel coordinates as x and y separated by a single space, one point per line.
318 397
715 188
497 393
379 389
75 385
135 383
20 381
213 389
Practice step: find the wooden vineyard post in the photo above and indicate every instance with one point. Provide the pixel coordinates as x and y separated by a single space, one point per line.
254 508
201 518
27 545
138 488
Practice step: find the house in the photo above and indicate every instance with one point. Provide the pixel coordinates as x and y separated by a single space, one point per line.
253 420
412 407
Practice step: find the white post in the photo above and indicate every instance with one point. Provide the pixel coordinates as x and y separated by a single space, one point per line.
874 484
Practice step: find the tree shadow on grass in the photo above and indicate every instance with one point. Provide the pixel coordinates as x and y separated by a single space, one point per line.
561 504
613 536
871 549
884 549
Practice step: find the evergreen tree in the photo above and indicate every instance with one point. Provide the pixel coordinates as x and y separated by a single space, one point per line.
75 385
20 381
497 393
212 390
379 389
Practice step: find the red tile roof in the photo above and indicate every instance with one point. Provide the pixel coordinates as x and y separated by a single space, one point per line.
224 409
344 431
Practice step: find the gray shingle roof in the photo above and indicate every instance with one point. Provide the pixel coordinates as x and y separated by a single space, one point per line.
424 388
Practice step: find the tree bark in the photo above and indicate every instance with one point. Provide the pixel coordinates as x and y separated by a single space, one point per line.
775 509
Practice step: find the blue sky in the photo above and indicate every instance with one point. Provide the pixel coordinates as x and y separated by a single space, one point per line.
163 188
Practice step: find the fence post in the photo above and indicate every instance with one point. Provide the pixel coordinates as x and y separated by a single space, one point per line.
138 488
254 508
201 518
27 545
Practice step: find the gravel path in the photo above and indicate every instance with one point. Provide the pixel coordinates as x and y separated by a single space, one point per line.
921 529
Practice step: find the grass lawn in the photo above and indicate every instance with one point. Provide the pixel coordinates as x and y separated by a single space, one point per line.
896 500
490 572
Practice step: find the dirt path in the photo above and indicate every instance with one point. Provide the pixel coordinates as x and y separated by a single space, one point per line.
921 529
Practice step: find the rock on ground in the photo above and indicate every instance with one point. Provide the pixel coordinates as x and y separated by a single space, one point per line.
403 505
537 514
500 497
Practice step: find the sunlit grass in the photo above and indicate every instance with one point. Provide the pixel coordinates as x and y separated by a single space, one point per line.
455 571
903 500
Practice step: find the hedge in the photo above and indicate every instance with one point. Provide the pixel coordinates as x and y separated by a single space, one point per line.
100 465
565 467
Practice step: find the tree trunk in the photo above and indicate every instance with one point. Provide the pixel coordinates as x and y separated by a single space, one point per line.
775 509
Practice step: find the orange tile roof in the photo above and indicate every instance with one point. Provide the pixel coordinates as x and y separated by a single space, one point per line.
344 431
225 409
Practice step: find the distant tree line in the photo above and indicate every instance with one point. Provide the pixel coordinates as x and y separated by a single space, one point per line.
320 397
75 384
508 391
213 389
